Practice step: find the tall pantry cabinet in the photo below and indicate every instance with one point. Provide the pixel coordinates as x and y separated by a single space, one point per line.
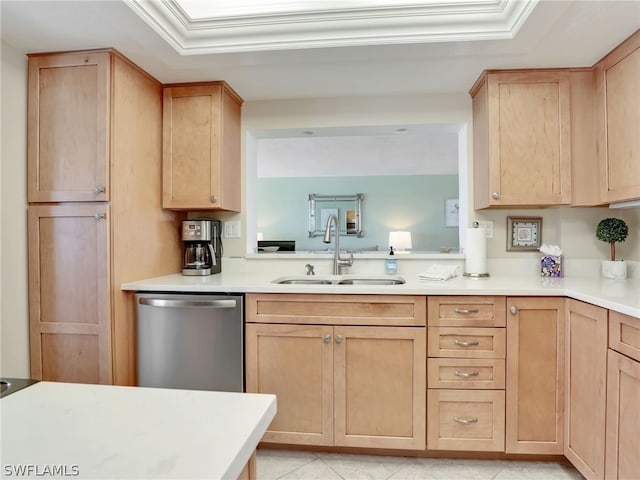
95 218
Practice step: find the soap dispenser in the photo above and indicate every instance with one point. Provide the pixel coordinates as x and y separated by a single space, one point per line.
391 264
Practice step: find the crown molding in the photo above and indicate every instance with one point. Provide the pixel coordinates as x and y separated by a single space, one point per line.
429 21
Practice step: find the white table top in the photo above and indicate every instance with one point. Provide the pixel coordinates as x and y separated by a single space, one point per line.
104 431
620 295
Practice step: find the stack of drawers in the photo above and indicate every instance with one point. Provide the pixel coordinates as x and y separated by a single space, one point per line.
466 343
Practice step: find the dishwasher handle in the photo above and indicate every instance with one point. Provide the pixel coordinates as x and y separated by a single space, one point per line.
164 302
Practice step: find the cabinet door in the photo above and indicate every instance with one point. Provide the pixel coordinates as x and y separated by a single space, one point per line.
623 417
68 127
524 139
617 114
535 375
380 387
295 363
586 379
69 309
201 148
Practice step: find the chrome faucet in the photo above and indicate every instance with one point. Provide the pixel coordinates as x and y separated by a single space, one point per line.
338 263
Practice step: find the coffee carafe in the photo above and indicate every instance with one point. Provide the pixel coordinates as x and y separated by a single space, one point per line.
202 246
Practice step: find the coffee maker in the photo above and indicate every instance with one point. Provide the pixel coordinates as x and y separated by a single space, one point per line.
202 243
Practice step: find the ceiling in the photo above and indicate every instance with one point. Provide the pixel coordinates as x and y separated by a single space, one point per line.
549 33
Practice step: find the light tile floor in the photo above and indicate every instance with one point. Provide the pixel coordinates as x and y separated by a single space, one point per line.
300 465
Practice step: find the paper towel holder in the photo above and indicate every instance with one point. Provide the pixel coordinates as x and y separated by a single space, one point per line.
475 275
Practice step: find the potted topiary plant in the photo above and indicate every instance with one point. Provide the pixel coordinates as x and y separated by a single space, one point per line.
612 231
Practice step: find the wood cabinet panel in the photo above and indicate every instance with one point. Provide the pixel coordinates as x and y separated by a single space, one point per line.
523 157
617 114
380 387
463 342
586 379
466 311
535 375
68 135
201 147
623 417
386 310
465 420
472 373
69 308
295 363
624 334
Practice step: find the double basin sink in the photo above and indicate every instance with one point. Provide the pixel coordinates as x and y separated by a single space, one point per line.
340 280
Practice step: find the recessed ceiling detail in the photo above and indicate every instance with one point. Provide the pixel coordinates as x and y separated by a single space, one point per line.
199 27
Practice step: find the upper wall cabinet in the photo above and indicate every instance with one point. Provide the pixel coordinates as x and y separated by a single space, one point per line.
68 127
201 147
617 116
521 139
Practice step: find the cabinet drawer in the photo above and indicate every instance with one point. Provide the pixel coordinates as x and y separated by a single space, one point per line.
466 342
472 373
375 310
465 420
466 311
624 334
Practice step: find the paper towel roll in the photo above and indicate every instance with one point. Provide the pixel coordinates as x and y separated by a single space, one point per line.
476 252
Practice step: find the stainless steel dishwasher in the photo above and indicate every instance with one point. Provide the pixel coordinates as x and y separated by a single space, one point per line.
193 342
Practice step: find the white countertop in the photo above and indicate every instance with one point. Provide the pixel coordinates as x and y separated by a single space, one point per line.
104 431
620 295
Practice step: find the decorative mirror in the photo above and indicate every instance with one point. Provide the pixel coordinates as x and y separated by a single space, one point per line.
347 208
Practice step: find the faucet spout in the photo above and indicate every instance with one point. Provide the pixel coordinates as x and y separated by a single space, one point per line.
338 262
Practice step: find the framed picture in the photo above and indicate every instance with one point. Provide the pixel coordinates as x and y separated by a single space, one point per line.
451 212
524 233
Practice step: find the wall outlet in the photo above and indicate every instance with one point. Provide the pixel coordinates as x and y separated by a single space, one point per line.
488 226
231 229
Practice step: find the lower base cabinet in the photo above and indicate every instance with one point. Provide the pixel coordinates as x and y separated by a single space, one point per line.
339 385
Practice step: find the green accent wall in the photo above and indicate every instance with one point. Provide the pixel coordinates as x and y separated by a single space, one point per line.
414 203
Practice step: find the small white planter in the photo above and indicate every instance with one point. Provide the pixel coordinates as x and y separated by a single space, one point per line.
616 269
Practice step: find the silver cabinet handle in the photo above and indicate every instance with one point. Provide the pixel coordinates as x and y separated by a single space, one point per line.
466 344
326 338
339 338
100 216
466 374
165 302
513 309
99 190
464 421
213 198
466 310
496 195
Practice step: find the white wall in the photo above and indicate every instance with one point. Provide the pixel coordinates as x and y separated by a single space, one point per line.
14 324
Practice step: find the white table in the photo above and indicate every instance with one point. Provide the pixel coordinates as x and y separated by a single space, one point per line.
102 431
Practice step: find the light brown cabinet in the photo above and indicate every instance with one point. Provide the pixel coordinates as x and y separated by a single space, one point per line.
617 117
535 375
201 147
466 373
623 398
521 139
95 123
68 134
339 382
586 383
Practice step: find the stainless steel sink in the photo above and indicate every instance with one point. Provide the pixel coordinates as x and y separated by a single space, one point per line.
341 280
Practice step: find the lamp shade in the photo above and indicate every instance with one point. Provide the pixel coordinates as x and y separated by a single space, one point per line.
400 240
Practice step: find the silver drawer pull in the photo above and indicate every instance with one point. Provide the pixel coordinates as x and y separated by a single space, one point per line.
326 338
465 421
466 344
466 374
466 311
